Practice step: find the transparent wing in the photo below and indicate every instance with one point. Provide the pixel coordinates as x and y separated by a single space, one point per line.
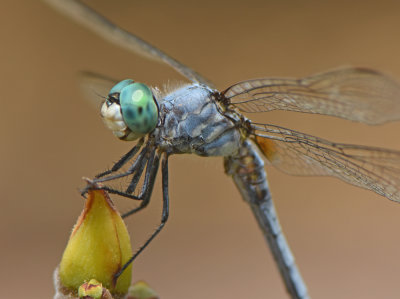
356 94
96 87
116 35
296 153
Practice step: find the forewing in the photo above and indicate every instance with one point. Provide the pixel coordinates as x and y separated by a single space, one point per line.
296 153
109 31
356 94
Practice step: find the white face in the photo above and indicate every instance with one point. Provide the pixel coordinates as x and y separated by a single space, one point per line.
112 118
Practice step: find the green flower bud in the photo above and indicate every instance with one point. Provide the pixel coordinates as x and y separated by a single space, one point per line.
141 290
92 289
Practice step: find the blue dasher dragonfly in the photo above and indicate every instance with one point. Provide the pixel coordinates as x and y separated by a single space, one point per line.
198 119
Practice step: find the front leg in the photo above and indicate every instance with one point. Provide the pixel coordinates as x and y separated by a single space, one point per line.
136 167
125 158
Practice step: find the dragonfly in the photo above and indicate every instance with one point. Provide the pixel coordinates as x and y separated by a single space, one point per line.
196 118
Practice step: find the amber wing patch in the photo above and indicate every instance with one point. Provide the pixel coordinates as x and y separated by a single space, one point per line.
268 148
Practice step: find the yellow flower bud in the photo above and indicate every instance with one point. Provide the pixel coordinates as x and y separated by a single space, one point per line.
98 247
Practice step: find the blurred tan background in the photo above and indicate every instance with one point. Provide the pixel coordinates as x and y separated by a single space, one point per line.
346 240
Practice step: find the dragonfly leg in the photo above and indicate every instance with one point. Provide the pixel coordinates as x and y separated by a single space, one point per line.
164 217
141 159
147 188
148 184
136 177
118 192
136 166
125 158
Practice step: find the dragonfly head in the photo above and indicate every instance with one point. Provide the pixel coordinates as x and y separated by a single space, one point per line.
130 110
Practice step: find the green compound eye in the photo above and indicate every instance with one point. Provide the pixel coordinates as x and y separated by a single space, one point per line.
139 109
119 86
